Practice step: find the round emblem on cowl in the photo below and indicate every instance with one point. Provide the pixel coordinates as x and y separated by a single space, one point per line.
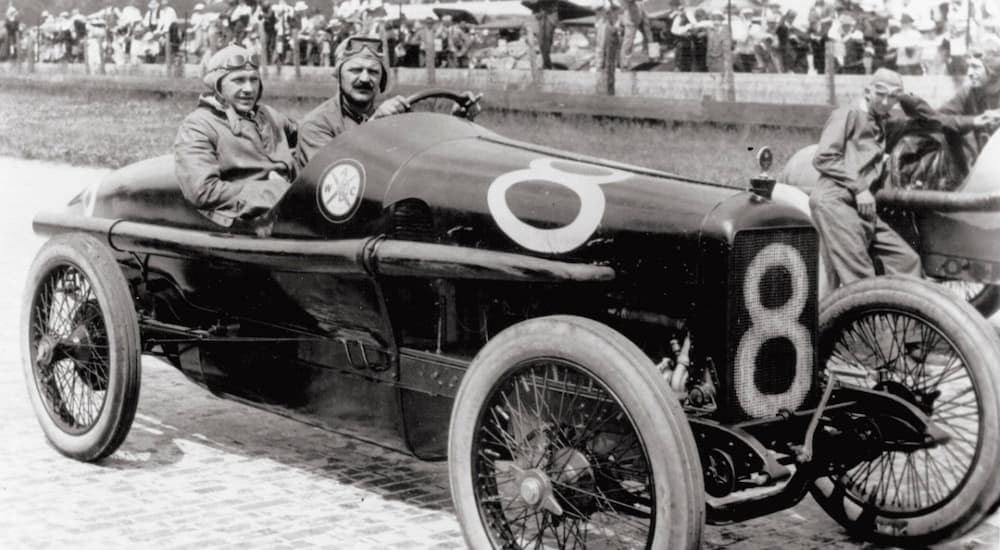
341 189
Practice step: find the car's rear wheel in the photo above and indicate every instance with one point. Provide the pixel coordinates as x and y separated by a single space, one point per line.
914 340
563 435
81 347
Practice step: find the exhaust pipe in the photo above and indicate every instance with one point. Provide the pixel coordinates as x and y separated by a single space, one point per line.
940 201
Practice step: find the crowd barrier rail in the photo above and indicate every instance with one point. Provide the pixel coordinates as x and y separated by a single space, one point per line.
784 100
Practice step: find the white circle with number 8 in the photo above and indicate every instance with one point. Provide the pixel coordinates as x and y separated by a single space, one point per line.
770 323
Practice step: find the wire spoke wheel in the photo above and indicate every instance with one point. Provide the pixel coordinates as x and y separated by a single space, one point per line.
81 347
560 463
563 435
902 354
914 340
71 349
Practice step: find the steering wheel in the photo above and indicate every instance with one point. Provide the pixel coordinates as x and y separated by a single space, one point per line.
461 100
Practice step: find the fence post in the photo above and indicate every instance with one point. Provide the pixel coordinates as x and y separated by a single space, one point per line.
86 55
167 56
610 54
830 69
529 39
728 79
430 58
36 50
182 55
101 52
295 55
264 48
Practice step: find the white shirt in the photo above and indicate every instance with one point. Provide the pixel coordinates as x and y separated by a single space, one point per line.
907 44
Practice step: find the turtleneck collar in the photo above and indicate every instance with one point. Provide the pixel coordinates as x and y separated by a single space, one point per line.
353 112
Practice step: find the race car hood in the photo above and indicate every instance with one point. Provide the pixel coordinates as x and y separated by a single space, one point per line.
443 179
440 179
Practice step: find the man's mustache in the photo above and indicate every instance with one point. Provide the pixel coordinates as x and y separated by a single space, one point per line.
364 85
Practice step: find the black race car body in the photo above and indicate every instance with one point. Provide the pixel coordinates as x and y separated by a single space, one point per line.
422 271
456 233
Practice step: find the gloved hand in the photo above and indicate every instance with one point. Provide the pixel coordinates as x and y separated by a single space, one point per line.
470 108
258 197
391 106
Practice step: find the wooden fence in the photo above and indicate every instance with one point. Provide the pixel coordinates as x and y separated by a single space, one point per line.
789 100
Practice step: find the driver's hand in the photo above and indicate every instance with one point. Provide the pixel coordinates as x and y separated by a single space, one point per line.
392 106
470 108
865 202
987 120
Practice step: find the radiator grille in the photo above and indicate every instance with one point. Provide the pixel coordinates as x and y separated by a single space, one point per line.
773 294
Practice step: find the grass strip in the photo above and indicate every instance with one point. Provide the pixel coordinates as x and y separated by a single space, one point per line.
115 128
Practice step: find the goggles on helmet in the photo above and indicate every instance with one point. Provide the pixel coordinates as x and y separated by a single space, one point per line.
354 44
239 61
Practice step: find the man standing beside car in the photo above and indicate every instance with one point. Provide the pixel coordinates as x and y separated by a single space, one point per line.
232 155
361 75
850 158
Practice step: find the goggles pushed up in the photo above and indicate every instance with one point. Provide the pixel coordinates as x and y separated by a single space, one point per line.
239 61
354 44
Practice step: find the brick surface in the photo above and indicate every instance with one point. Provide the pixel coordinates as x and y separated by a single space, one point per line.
199 472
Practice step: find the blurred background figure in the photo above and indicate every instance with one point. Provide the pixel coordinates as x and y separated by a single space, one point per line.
546 13
717 42
12 34
906 45
631 20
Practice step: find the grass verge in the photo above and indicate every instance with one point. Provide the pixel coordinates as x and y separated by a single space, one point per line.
112 129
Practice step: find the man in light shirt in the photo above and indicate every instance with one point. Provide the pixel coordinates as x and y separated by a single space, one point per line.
907 45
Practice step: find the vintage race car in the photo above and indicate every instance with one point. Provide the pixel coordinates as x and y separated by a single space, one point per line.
608 356
955 231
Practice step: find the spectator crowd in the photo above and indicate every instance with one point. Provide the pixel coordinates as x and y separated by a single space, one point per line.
802 36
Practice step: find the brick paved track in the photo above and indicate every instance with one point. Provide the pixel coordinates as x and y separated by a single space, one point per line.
199 472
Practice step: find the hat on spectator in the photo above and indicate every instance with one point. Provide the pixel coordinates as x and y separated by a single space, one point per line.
224 62
199 6
343 53
301 6
887 80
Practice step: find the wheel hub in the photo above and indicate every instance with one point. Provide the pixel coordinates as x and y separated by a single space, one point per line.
532 490
78 345
535 489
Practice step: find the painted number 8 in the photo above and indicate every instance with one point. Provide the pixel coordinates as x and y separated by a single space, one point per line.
561 239
769 323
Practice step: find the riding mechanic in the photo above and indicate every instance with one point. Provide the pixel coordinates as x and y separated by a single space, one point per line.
233 155
850 158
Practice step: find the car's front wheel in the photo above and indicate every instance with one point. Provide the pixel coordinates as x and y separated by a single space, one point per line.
81 347
914 340
563 435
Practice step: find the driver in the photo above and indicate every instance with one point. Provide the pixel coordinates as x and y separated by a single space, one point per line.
362 75
850 158
233 156
975 109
